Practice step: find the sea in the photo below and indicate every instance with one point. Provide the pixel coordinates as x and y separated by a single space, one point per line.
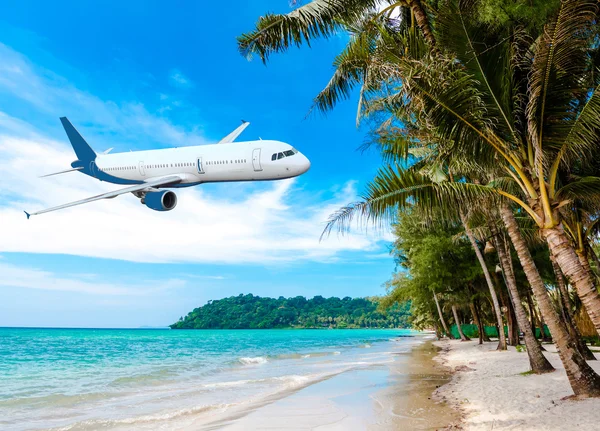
88 379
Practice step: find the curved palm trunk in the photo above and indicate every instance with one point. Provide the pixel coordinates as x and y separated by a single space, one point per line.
585 263
488 279
571 267
538 362
422 20
463 337
567 313
582 378
439 309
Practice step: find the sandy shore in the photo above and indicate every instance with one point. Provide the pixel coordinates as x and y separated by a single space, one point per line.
491 391
394 396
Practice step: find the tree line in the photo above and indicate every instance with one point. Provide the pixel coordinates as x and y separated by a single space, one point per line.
487 117
255 312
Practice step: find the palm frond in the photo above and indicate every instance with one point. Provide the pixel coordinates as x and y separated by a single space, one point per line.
319 18
485 55
560 59
395 189
583 189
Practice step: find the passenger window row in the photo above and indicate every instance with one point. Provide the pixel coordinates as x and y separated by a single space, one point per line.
176 165
226 162
119 168
283 154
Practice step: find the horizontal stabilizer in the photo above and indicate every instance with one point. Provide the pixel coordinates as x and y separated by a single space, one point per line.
62 172
237 132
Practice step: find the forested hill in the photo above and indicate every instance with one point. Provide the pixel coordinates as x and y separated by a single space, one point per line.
254 312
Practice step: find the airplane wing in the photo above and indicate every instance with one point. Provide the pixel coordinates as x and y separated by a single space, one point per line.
237 132
161 182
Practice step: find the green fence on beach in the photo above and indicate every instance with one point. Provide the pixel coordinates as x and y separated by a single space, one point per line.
471 331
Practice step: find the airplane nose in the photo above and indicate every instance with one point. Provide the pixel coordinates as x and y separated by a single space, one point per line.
305 164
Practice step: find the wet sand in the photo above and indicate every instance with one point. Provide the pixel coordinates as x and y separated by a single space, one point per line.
410 402
394 396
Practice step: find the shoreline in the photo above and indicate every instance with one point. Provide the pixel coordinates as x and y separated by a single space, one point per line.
398 395
493 390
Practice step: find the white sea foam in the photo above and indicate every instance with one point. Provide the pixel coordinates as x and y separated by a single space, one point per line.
144 419
254 361
230 384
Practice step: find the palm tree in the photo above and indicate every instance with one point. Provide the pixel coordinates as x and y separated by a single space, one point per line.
441 316
538 361
521 105
323 18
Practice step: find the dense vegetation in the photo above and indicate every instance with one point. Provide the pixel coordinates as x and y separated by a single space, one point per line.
487 117
254 312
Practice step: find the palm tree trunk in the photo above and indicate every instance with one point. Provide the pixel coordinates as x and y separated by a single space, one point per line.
538 362
506 306
488 279
439 309
576 274
463 337
585 263
422 20
531 313
477 322
582 378
568 315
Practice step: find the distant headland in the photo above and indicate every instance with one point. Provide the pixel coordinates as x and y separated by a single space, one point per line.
255 312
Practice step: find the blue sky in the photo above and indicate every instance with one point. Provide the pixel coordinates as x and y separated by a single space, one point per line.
144 74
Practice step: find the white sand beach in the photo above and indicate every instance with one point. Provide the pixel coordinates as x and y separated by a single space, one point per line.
491 391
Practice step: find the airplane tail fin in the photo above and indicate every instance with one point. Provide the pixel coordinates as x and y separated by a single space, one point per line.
80 146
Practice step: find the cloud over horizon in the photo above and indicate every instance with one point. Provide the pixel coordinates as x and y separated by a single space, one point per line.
259 224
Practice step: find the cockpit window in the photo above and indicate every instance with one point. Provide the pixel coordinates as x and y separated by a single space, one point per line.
287 153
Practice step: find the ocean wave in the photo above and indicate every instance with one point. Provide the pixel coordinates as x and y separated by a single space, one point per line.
290 380
253 361
167 416
159 375
58 400
320 354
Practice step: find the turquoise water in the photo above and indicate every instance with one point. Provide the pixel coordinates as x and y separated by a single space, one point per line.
151 379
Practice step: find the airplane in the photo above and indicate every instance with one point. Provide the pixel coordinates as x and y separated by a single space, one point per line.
146 173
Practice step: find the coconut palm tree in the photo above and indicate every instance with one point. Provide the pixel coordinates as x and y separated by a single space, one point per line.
521 105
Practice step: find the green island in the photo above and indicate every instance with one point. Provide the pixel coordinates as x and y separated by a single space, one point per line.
255 312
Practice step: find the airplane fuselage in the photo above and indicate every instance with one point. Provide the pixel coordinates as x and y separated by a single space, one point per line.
237 161
145 172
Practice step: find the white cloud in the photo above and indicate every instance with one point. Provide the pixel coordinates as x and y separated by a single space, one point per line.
54 96
263 224
33 278
178 79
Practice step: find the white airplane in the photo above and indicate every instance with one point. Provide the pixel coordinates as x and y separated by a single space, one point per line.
146 172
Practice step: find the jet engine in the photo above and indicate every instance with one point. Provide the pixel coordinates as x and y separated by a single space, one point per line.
160 201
